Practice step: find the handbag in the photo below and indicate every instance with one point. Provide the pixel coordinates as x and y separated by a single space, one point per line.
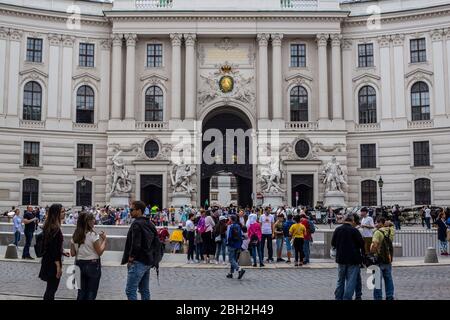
448 235
218 238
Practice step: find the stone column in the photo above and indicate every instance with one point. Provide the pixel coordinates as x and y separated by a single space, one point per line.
116 77
336 76
3 40
263 74
347 67
66 83
439 76
191 76
130 83
322 40
15 38
385 72
53 75
399 76
105 72
176 75
448 68
277 85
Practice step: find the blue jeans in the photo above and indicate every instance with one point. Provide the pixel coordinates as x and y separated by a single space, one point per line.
306 250
256 249
428 223
386 274
221 248
16 238
358 288
279 244
233 253
347 280
198 251
138 278
91 272
397 225
287 241
28 240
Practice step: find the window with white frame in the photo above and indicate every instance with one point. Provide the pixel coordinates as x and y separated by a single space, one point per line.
298 55
154 55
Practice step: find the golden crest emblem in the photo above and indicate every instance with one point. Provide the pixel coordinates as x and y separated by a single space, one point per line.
226 84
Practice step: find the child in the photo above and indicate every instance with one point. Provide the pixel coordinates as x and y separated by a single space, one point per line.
176 238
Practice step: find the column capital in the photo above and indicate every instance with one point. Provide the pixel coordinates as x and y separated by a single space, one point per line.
447 33
117 39
106 44
176 39
189 39
384 41
276 39
54 39
68 41
131 39
263 39
15 35
336 39
3 33
398 39
322 39
437 35
347 44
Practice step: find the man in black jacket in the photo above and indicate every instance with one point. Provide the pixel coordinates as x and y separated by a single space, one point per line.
137 253
349 245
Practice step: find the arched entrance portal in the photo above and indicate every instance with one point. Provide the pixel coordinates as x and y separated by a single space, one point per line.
223 120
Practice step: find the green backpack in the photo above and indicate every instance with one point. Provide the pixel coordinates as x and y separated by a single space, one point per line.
386 251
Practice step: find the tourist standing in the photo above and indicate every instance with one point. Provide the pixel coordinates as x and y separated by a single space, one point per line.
297 232
17 227
396 217
427 214
331 217
279 236
207 237
309 230
88 246
367 227
287 239
255 236
234 243
349 245
51 263
442 234
137 254
190 237
30 226
220 233
267 222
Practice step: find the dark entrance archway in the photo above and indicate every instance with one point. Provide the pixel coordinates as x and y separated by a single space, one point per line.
223 119
151 190
304 186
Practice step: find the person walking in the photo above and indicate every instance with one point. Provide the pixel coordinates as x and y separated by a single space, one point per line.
383 250
297 232
279 236
267 222
255 236
287 238
17 227
427 213
220 234
442 234
138 254
234 243
30 220
190 237
87 246
349 246
51 263
367 227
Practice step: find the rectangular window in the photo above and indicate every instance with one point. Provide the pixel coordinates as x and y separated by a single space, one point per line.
154 55
421 154
298 55
87 54
214 197
34 50
234 197
365 55
31 154
368 156
418 50
84 156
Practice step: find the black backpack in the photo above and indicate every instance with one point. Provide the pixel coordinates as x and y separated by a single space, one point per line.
39 247
156 253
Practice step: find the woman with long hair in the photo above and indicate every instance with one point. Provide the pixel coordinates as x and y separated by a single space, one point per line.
51 264
209 247
442 233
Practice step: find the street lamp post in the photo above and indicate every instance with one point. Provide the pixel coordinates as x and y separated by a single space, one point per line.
380 185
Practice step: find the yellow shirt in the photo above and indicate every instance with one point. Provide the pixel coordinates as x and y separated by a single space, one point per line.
176 236
297 230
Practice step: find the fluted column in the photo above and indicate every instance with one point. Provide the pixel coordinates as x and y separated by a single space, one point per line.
130 76
347 67
66 77
3 40
176 75
15 38
105 74
399 76
191 76
336 75
447 37
385 72
439 76
322 40
263 74
277 97
116 77
53 75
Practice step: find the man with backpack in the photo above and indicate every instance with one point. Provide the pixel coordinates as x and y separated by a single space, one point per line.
310 229
382 248
234 243
143 251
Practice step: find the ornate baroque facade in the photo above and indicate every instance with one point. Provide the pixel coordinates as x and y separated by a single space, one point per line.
372 90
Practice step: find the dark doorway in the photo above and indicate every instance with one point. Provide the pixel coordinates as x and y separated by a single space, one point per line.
151 190
304 186
223 119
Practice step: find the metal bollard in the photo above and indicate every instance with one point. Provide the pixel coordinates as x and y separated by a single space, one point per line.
431 255
11 252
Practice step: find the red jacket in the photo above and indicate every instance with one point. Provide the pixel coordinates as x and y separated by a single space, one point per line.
255 228
305 222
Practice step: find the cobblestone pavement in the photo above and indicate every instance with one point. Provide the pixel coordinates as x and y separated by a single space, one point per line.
19 280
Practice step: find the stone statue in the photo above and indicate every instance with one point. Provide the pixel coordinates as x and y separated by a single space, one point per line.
270 177
334 176
181 176
121 182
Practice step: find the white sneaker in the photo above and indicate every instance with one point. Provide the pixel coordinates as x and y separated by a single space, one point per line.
224 263
217 261
188 262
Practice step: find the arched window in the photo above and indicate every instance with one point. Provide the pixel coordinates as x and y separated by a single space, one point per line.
30 192
84 193
367 102
154 100
85 105
422 191
299 104
32 101
369 193
420 101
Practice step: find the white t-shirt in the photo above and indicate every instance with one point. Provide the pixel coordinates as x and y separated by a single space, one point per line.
190 226
87 250
209 223
266 223
366 232
427 213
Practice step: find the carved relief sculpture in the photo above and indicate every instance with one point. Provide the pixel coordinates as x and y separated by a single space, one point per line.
334 176
120 181
181 177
